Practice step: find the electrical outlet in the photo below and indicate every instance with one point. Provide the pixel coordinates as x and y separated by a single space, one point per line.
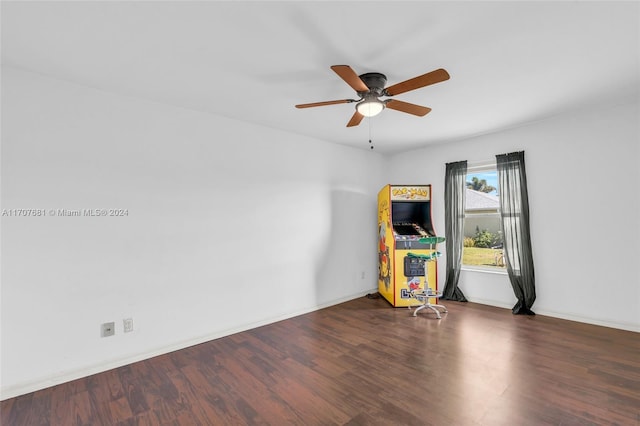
108 329
127 325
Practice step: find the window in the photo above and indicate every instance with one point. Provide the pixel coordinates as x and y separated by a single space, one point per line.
482 248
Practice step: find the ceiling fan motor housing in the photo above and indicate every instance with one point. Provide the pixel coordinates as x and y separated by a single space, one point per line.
375 81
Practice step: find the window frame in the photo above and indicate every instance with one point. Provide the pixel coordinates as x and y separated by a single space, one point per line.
474 168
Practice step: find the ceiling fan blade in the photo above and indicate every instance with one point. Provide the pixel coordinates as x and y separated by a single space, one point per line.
432 77
414 109
315 104
355 119
350 77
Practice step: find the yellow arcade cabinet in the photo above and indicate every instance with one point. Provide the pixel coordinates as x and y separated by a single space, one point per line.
404 218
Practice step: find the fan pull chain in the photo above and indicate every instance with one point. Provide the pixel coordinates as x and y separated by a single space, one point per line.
370 145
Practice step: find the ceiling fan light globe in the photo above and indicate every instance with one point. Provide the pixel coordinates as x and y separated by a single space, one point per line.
370 108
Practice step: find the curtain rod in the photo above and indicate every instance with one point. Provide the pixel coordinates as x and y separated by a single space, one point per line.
514 152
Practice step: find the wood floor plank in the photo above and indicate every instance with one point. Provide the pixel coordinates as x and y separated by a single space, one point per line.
261 395
205 397
61 405
119 411
100 398
365 363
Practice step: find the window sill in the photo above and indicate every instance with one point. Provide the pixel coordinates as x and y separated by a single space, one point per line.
486 270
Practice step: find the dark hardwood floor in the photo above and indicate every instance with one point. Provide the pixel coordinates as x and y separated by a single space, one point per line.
366 363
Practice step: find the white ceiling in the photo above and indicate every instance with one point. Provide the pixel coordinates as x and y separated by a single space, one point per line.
510 62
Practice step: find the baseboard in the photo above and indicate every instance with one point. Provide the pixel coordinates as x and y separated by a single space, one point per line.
67 376
569 317
488 302
602 323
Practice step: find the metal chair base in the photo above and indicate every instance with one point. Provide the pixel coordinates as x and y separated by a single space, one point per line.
424 298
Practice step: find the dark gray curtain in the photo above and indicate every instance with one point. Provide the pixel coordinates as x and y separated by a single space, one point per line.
514 214
454 206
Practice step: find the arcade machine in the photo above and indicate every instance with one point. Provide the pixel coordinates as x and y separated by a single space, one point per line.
405 236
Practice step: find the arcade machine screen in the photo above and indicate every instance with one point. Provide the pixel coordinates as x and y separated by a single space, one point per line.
411 221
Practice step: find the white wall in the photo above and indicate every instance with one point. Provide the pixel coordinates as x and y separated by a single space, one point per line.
229 226
232 225
582 172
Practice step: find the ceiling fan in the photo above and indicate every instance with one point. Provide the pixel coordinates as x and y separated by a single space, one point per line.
371 86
